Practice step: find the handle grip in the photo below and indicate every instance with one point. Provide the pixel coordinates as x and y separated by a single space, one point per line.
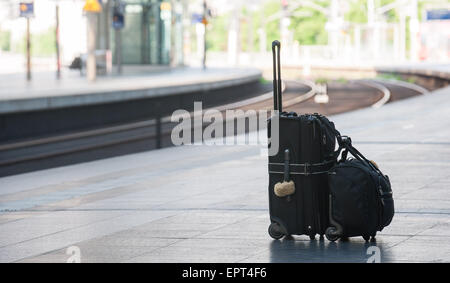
286 165
277 99
275 43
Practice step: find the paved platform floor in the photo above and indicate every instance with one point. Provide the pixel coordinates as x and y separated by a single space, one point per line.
427 69
209 203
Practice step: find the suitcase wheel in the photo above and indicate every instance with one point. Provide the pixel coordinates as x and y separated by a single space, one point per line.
330 233
366 238
312 237
274 231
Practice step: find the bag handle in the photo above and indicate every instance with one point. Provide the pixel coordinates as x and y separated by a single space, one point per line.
277 100
358 155
345 143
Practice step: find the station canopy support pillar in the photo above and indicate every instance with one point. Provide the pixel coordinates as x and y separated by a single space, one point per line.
91 64
92 8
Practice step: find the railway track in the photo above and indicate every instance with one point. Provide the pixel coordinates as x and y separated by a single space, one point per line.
115 140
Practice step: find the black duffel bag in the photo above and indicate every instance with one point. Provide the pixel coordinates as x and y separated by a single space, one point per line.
361 200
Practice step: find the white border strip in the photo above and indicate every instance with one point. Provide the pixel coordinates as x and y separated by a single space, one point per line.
386 92
257 99
404 84
239 104
302 97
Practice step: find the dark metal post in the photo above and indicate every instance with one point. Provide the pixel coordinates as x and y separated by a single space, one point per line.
118 36
58 55
118 10
205 13
158 113
28 50
158 132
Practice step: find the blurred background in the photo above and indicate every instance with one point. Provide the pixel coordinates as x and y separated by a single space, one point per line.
238 33
88 79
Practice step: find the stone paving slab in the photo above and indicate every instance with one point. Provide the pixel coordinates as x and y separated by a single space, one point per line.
210 204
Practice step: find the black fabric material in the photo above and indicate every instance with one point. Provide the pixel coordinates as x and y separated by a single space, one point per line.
361 197
309 142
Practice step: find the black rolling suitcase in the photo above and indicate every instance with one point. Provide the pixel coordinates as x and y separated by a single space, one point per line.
298 184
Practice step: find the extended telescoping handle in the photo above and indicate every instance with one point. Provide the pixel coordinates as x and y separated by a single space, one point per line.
277 100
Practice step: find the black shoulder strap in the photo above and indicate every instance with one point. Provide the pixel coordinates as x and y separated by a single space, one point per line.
345 143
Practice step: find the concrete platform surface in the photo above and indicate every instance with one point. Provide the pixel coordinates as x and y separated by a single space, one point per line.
210 204
45 92
427 69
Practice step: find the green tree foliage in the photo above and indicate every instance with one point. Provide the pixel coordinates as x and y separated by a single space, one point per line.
217 33
391 15
250 22
247 31
5 40
358 11
307 24
272 28
42 44
309 29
